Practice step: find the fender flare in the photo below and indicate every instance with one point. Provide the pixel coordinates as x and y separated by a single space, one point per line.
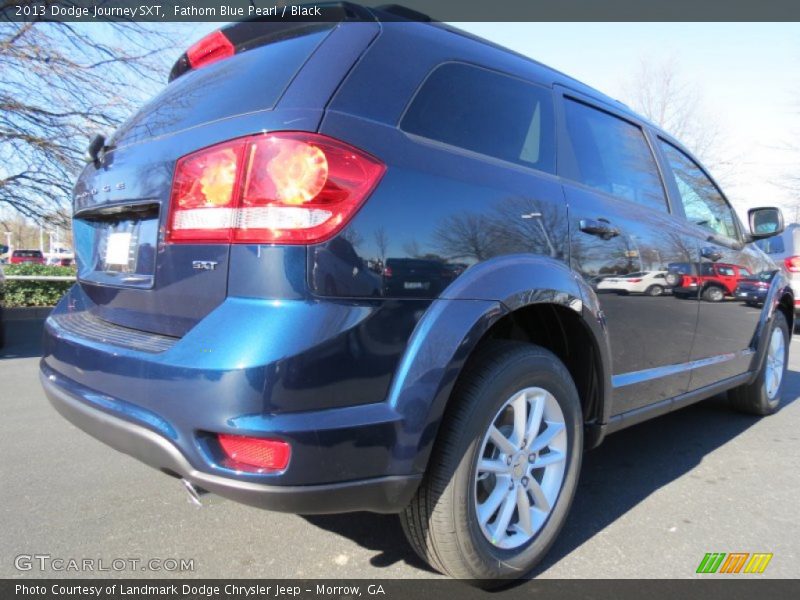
779 289
452 326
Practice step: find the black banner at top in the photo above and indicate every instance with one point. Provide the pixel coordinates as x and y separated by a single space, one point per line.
420 10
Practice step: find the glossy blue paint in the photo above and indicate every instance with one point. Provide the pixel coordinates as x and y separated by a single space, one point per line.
349 349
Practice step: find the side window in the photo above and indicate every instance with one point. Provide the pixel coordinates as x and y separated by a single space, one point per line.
727 271
612 155
485 112
702 202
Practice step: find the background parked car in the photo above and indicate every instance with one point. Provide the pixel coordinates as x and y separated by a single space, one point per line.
784 249
19 257
713 280
652 283
60 260
410 276
753 290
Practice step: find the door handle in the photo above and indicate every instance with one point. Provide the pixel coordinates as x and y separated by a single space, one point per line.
600 227
710 253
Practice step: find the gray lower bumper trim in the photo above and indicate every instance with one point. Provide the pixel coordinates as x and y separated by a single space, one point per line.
383 495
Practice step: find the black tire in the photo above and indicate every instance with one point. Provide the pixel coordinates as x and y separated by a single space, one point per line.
713 293
441 522
654 290
753 398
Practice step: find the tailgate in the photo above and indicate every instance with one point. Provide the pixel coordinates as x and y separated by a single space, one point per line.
132 276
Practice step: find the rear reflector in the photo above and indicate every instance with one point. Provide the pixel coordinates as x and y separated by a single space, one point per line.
792 264
250 453
284 187
210 49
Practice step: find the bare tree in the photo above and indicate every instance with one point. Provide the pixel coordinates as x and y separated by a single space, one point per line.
61 84
412 249
465 236
657 91
382 242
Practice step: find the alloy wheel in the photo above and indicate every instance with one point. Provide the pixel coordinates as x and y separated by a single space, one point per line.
520 469
776 357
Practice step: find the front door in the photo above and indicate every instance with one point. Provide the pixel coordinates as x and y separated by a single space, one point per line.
726 326
620 223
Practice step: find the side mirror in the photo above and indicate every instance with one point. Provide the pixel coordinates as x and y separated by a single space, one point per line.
765 222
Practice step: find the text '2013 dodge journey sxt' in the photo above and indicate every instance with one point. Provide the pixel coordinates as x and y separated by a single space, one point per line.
316 278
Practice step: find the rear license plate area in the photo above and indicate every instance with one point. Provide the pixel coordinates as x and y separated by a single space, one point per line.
119 250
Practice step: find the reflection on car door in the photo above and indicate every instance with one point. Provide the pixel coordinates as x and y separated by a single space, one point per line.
620 223
722 346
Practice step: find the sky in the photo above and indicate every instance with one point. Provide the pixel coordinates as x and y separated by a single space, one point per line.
745 75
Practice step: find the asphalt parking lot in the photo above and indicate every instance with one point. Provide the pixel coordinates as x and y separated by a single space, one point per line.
652 501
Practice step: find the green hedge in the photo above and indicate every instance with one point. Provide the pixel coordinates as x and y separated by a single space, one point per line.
34 293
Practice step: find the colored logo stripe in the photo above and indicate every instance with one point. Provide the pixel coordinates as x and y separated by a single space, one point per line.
758 562
713 562
734 562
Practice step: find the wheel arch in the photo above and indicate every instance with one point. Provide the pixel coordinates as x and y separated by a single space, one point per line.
779 298
531 298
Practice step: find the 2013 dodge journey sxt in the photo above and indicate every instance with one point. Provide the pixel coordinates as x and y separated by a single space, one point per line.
354 266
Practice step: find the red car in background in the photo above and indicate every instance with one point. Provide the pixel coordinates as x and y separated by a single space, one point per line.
19 257
714 281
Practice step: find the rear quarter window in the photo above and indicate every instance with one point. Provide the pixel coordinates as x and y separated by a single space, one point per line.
486 112
251 81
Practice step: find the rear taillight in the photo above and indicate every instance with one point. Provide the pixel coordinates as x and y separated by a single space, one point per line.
634 280
249 453
387 272
792 264
215 46
280 188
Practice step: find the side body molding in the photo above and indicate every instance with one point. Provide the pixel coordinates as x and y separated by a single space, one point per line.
453 325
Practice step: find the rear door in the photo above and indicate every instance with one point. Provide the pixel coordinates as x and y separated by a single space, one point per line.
620 223
724 340
279 79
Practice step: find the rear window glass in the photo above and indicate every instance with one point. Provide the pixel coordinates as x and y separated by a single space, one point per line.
27 254
251 81
773 245
486 112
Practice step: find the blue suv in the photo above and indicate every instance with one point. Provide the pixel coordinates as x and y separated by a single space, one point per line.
354 266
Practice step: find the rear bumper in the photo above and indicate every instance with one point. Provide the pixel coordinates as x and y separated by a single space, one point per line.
689 290
381 494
